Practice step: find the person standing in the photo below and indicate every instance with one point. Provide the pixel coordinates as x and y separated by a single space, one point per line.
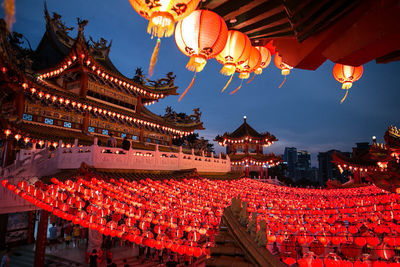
111 141
77 234
93 258
5 260
126 263
53 237
126 144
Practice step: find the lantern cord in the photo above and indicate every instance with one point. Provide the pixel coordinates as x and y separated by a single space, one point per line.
344 98
237 89
187 89
226 85
284 80
153 59
249 81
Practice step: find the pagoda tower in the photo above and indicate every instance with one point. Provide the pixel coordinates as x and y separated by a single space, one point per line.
245 149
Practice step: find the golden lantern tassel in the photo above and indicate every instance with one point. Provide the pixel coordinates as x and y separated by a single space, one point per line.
187 89
344 98
153 59
249 81
226 85
237 89
284 80
9 10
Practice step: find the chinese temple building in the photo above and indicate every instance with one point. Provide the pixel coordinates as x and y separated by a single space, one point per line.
245 149
378 164
68 89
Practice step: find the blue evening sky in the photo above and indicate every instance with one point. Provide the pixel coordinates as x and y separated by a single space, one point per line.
304 113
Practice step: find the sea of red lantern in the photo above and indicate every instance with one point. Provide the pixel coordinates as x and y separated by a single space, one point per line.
184 215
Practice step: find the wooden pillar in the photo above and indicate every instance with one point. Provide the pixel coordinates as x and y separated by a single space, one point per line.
31 227
84 83
41 239
262 172
19 104
141 135
266 173
8 152
246 148
85 121
258 148
170 140
357 176
247 168
3 230
139 104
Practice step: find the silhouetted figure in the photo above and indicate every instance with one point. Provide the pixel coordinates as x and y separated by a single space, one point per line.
126 144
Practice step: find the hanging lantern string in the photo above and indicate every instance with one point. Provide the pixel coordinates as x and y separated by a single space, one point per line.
284 80
237 89
249 81
344 98
153 59
226 85
187 89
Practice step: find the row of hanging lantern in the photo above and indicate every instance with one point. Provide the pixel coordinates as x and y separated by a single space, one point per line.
203 34
317 219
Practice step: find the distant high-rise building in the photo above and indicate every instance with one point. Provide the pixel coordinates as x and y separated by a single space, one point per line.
290 157
302 165
328 170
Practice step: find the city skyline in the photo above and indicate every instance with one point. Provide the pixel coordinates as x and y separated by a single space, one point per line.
304 113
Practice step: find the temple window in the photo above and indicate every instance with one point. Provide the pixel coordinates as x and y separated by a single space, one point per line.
91 129
105 132
48 121
27 117
67 124
123 135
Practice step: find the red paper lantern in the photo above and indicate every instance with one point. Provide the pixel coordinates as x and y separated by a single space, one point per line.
202 35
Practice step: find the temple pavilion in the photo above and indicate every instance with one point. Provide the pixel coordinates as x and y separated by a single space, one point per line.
378 164
245 149
68 89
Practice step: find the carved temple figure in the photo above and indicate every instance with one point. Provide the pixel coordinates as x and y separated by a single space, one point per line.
81 24
236 206
169 81
60 24
261 236
244 214
252 226
139 78
100 44
196 116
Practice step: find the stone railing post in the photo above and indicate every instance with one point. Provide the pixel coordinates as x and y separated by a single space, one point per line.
76 142
95 141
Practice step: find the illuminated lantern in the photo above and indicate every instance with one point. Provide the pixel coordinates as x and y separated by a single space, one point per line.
236 51
384 251
253 62
202 35
162 15
350 250
285 68
265 59
346 75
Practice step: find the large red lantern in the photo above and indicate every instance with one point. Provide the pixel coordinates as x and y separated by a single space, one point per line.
265 59
253 62
163 14
201 36
285 68
384 251
236 51
346 75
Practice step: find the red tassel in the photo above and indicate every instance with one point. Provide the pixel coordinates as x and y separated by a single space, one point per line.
249 81
226 85
344 98
153 59
187 89
237 89
284 80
